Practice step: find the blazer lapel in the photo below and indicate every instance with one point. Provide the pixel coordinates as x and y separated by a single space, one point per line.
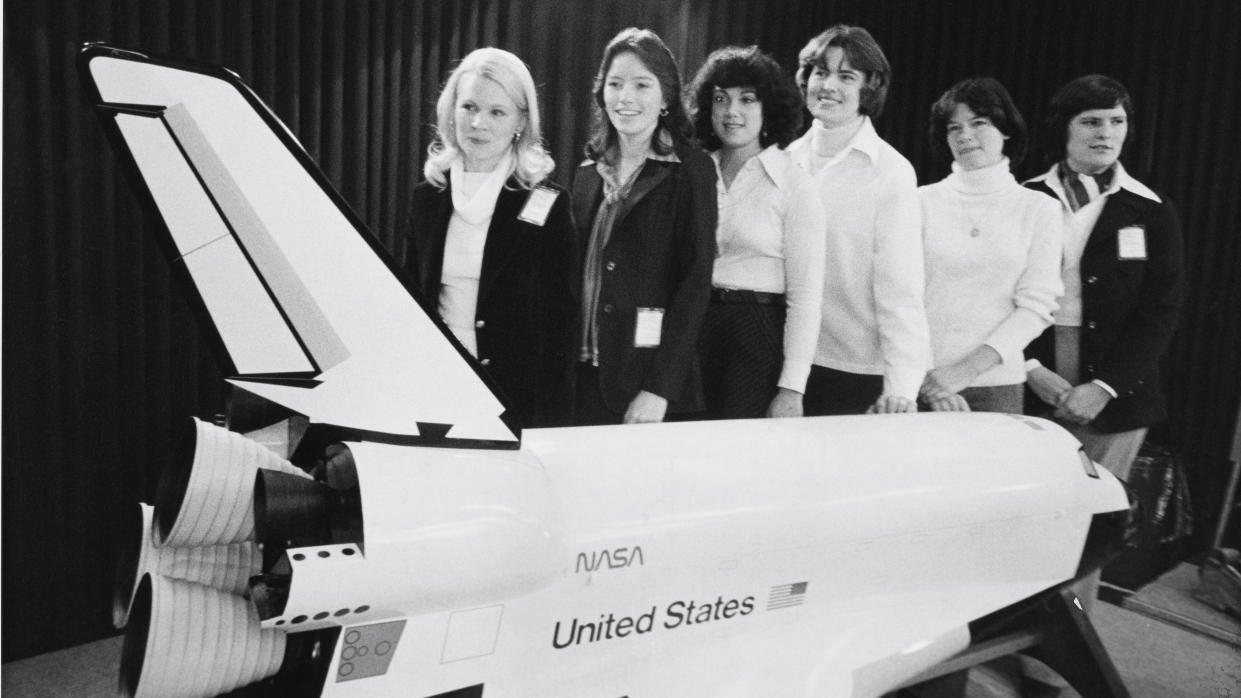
503 236
1118 212
653 172
587 193
430 247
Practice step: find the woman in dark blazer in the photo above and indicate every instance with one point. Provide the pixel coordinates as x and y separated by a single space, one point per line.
646 210
1097 369
491 239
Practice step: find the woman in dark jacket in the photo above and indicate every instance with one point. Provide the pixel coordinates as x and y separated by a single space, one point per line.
646 210
491 239
1097 369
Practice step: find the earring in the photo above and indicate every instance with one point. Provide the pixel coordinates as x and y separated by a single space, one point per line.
516 136
663 112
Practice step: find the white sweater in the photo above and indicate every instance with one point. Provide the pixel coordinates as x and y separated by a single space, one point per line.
873 317
998 287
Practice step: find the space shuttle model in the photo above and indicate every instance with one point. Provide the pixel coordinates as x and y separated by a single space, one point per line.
370 521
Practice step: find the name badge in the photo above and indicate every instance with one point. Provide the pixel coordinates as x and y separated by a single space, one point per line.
649 328
1131 242
538 205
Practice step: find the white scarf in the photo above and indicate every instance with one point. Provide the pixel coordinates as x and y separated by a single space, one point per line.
477 209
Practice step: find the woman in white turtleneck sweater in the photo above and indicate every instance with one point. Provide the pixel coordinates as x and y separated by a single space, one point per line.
992 254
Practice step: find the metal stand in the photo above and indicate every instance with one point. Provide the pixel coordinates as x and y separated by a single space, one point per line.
1056 632
1072 648
1230 492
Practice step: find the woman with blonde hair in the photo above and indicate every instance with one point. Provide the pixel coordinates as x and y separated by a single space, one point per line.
490 239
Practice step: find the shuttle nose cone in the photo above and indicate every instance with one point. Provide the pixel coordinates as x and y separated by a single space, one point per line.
1109 532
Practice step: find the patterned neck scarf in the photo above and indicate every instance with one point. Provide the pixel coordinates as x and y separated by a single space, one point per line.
614 193
1075 184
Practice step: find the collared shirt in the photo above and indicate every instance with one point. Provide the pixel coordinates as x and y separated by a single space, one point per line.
770 238
614 192
1080 189
873 319
1077 228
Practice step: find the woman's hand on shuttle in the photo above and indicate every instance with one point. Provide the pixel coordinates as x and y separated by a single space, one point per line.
646 407
951 403
786 403
944 381
892 404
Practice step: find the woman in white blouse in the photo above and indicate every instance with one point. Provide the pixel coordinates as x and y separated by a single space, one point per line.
992 254
490 241
759 336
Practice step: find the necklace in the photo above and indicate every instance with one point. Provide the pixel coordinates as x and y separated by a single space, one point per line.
977 224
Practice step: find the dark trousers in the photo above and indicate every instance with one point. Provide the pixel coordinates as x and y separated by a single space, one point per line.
832 392
996 398
589 409
741 351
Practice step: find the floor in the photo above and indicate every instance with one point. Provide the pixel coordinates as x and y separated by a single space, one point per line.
1164 642
1157 656
1156 660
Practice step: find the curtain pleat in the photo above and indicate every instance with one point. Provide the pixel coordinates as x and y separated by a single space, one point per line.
101 353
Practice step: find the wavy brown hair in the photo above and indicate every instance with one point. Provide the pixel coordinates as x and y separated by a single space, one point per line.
738 66
654 54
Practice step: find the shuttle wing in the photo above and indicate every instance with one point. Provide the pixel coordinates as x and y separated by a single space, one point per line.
308 310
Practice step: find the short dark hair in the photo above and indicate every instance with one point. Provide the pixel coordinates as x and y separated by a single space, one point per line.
1074 97
862 52
737 66
654 54
985 97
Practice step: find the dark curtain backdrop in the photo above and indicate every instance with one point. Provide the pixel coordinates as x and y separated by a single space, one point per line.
101 355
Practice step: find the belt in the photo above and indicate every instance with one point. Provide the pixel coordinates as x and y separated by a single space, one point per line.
735 295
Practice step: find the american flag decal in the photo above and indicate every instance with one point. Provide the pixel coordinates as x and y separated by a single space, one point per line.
786 595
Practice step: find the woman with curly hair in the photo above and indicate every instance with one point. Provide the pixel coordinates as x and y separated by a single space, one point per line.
761 329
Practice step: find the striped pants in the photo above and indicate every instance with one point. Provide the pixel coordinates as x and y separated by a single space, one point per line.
741 351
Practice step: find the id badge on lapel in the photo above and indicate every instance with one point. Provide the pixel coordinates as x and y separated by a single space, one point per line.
648 330
1131 242
538 205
